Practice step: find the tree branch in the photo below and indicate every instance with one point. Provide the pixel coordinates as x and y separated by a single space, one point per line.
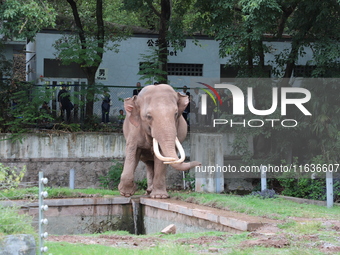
79 25
100 27
149 2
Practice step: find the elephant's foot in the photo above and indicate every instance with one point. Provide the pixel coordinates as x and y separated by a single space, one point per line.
149 190
127 190
159 194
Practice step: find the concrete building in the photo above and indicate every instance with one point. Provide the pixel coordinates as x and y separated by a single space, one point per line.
199 61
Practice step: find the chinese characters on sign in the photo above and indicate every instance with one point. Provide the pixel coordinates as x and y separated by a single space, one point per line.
155 43
101 74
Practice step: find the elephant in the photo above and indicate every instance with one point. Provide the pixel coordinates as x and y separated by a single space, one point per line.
154 129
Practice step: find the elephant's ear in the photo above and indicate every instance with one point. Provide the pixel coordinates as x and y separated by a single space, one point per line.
183 101
132 109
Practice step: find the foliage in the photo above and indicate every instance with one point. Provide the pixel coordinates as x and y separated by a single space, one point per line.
24 111
168 18
142 184
310 185
112 179
10 178
11 222
150 69
90 38
190 180
266 193
309 188
23 19
245 29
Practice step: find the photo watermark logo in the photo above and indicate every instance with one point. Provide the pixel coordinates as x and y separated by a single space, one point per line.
238 105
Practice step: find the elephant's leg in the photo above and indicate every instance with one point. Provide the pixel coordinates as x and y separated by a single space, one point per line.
159 184
127 186
149 175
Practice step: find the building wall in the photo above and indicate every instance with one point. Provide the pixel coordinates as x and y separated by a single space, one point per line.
122 67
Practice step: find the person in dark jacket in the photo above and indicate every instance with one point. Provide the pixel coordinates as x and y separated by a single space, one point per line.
138 89
106 103
65 103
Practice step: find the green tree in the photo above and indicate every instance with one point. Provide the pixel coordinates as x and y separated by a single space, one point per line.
86 45
243 26
24 18
169 18
19 19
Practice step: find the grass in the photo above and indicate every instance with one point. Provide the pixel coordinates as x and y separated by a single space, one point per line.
186 243
80 249
298 233
276 208
11 222
32 193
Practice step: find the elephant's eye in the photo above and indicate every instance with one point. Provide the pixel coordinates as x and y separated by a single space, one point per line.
149 117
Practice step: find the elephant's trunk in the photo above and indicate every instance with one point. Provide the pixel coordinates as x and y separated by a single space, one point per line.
175 163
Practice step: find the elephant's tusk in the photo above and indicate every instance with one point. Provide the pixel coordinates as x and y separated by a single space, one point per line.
158 154
181 153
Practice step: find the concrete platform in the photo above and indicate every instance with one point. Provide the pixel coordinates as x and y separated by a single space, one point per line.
221 219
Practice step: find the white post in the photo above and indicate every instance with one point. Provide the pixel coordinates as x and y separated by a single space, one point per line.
208 149
329 189
42 221
72 178
263 177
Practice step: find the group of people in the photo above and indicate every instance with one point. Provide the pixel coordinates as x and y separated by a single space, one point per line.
191 113
66 105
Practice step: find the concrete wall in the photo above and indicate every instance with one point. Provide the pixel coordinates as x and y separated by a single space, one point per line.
89 154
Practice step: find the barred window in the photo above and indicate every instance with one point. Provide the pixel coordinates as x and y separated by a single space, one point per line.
185 69
303 71
178 69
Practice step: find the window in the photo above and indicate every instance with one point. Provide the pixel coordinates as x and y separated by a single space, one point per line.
179 69
303 71
185 69
54 68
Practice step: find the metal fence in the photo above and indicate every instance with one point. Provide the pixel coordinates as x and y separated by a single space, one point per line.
77 96
49 94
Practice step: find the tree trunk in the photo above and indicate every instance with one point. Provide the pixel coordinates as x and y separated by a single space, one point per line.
90 93
163 46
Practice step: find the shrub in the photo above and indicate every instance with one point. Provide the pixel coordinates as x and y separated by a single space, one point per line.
112 179
10 178
11 222
142 184
309 188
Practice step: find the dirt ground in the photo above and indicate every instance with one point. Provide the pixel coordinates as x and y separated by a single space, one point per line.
269 235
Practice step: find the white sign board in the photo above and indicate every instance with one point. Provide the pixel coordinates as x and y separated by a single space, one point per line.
101 74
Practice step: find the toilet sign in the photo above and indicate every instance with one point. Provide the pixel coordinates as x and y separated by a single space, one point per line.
101 74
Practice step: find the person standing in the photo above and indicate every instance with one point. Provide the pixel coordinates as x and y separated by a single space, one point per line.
106 107
187 109
121 117
196 99
65 103
137 90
